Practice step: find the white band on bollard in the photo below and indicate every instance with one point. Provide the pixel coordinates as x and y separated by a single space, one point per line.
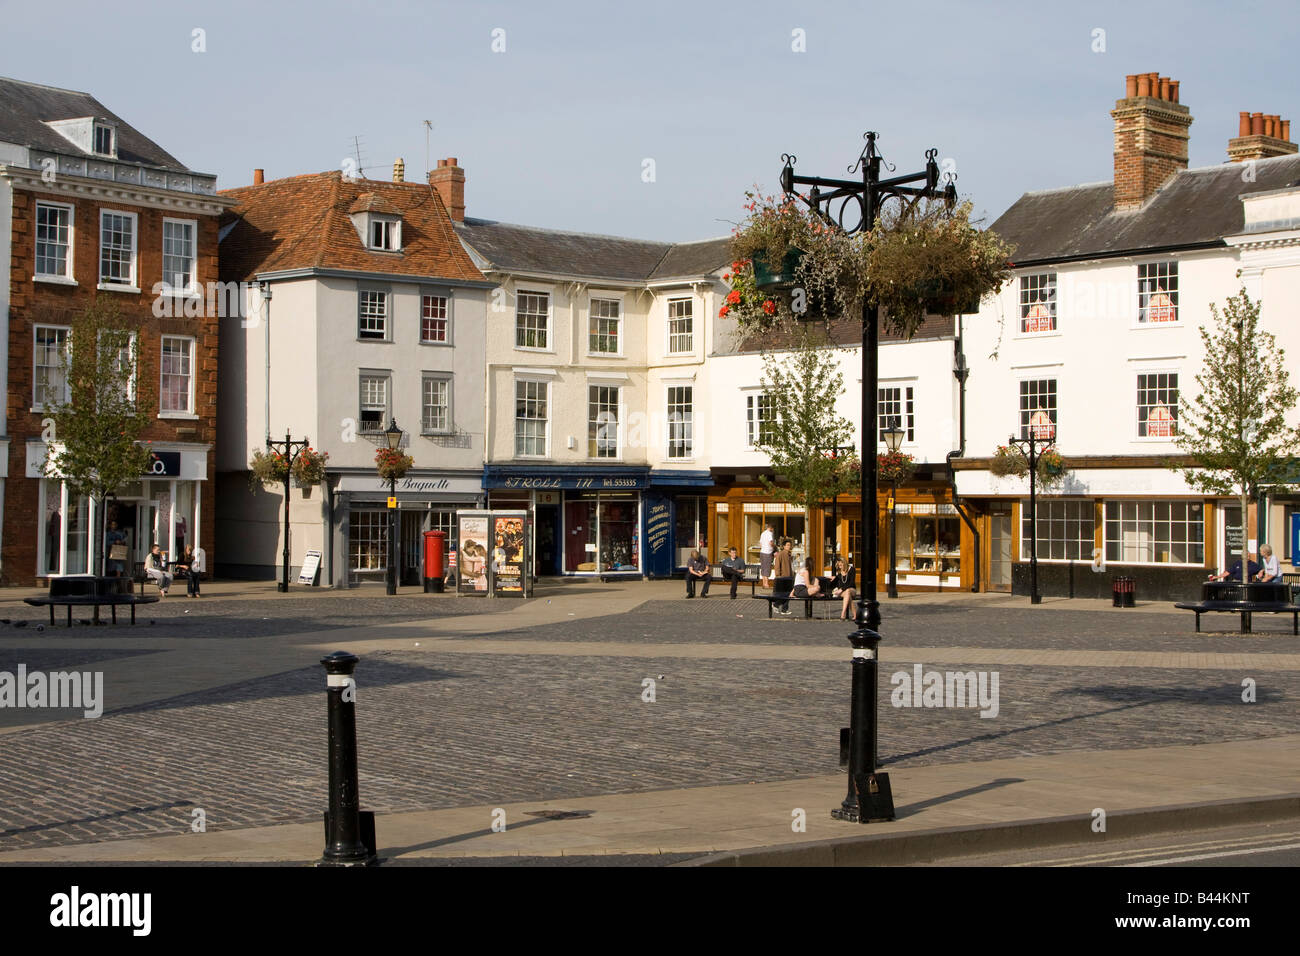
864 654
337 680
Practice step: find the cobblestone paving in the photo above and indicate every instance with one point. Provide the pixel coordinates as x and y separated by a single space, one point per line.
60 658
966 624
182 617
440 731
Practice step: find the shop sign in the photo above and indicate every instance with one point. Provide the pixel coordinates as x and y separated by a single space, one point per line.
163 464
557 482
657 527
428 484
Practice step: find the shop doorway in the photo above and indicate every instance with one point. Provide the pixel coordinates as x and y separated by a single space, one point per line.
1000 549
548 519
126 514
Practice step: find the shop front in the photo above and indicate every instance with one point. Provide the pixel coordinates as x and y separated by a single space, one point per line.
359 521
929 536
163 507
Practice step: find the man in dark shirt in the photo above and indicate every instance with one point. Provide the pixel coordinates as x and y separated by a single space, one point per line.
697 569
1234 573
733 570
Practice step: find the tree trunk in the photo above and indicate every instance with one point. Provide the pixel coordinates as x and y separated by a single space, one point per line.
1245 539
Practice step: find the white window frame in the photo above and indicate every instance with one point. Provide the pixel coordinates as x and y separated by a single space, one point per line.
362 292
446 297
906 414
1106 540
545 383
386 377
134 285
446 379
753 419
189 411
392 230
601 427
1045 539
192 288
668 327
545 328
1171 277
1053 284
668 423
1021 429
68 276
1137 407
618 326
39 406
95 130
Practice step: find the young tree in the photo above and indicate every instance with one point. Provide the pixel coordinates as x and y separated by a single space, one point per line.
800 428
93 445
1237 428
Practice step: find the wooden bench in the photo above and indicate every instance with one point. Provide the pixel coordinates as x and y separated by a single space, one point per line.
808 602
1226 597
85 590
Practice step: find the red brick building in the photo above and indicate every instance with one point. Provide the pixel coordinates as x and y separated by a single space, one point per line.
89 206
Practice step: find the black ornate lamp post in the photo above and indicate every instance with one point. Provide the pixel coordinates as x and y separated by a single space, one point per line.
394 436
291 450
869 796
1042 433
893 438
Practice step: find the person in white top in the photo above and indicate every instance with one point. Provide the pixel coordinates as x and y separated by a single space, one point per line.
1271 572
766 547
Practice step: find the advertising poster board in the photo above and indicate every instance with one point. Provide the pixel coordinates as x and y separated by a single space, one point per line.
472 546
310 567
509 553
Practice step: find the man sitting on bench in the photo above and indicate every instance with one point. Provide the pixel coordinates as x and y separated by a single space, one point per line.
1234 573
733 570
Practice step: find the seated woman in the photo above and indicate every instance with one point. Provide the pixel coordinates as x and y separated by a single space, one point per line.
1271 573
805 585
842 586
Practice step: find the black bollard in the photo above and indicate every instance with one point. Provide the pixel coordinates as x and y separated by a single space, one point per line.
344 845
870 799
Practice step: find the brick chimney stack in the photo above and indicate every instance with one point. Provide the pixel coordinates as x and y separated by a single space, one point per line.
1259 137
258 177
1151 134
449 180
399 170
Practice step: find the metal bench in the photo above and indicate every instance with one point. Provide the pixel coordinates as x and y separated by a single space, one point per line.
808 602
1233 597
87 590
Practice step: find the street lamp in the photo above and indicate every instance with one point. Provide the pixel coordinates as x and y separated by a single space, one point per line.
394 436
1041 432
869 797
291 450
893 438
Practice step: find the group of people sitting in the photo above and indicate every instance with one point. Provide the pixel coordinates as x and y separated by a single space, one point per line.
798 584
191 566
1268 573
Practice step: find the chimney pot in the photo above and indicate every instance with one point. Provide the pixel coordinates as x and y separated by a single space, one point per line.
1173 90
1130 86
257 177
1286 130
399 170
1164 87
1243 124
452 161
1256 124
1144 84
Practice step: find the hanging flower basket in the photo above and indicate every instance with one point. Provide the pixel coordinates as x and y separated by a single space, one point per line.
269 469
309 467
895 467
392 465
1009 462
780 277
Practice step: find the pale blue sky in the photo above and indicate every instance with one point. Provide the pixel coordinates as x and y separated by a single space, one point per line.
554 130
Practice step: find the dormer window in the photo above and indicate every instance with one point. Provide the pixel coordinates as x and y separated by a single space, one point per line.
105 141
385 234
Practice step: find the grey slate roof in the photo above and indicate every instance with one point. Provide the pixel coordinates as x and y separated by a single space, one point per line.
1198 207
513 248
24 108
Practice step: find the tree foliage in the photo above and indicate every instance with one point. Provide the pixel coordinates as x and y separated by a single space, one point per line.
1237 428
96 431
803 387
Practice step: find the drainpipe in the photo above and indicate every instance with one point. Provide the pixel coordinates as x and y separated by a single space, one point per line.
960 372
265 288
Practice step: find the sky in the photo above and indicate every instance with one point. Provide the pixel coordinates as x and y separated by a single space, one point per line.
652 119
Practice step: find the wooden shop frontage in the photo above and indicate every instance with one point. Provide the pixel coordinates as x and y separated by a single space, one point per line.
931 540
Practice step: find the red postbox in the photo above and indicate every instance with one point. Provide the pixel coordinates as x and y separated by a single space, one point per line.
435 548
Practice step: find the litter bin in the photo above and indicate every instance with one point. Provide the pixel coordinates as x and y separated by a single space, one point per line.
435 545
1123 591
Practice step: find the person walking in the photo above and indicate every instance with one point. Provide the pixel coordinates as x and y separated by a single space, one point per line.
1271 573
733 570
766 547
783 567
697 569
156 569
841 585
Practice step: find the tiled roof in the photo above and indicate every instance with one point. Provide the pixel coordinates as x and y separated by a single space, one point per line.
304 222
1196 207
687 259
26 107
